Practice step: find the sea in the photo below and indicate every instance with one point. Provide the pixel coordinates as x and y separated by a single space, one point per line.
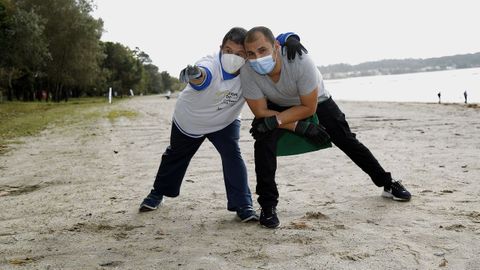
412 87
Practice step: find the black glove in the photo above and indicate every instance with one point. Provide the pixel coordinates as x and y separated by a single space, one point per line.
256 135
189 73
293 46
313 132
260 126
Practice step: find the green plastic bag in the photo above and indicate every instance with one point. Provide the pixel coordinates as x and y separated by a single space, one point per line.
290 143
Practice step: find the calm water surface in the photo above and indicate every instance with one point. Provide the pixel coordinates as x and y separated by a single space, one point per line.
414 87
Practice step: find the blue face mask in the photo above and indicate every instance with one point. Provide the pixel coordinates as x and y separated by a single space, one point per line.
263 65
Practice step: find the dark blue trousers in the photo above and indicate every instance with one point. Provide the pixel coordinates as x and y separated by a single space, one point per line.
177 157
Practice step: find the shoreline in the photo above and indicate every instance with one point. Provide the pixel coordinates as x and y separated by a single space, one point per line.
469 105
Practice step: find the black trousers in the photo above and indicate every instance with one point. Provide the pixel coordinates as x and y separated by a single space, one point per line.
333 119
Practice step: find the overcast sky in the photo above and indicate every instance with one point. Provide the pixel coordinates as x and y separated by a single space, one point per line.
178 32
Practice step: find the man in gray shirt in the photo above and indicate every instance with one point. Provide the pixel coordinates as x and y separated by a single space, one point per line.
282 93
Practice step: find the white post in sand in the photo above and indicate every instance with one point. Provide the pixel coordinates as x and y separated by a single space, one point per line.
110 95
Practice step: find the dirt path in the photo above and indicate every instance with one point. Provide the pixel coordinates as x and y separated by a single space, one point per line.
69 198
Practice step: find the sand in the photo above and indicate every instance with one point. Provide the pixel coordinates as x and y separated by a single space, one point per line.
69 197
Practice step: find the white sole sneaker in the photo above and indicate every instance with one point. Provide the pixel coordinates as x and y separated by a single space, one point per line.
389 195
146 208
250 218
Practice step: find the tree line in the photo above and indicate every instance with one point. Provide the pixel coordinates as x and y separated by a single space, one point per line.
51 49
400 66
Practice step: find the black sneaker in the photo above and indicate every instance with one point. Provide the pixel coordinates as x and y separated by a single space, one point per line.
396 191
247 214
151 202
268 217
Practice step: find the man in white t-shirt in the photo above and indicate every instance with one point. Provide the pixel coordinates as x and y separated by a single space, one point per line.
209 107
282 93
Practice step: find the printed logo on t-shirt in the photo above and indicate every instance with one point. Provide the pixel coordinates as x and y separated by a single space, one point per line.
227 98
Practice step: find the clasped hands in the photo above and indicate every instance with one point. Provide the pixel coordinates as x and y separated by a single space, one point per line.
314 132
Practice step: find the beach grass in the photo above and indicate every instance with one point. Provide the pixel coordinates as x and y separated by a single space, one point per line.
115 114
20 119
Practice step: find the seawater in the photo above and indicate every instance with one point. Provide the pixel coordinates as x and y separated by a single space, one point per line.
412 87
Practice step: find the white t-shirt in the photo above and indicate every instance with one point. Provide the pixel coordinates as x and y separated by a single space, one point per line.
297 78
199 112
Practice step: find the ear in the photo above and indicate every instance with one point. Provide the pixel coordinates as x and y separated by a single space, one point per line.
278 48
277 45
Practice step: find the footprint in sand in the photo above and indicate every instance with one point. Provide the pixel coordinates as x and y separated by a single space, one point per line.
17 190
455 227
474 216
315 215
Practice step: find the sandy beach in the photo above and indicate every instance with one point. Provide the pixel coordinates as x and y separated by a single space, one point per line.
69 197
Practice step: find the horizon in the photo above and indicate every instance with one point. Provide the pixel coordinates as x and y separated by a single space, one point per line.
408 58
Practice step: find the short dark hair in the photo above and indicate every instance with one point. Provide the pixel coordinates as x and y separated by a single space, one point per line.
236 34
252 34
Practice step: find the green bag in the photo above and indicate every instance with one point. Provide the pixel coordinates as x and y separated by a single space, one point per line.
290 143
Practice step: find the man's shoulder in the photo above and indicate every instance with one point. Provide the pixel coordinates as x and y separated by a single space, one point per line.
300 64
210 60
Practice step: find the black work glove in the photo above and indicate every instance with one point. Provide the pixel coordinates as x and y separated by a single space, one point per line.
261 126
315 133
189 73
293 46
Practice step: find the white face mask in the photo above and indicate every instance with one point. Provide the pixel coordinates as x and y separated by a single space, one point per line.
231 63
